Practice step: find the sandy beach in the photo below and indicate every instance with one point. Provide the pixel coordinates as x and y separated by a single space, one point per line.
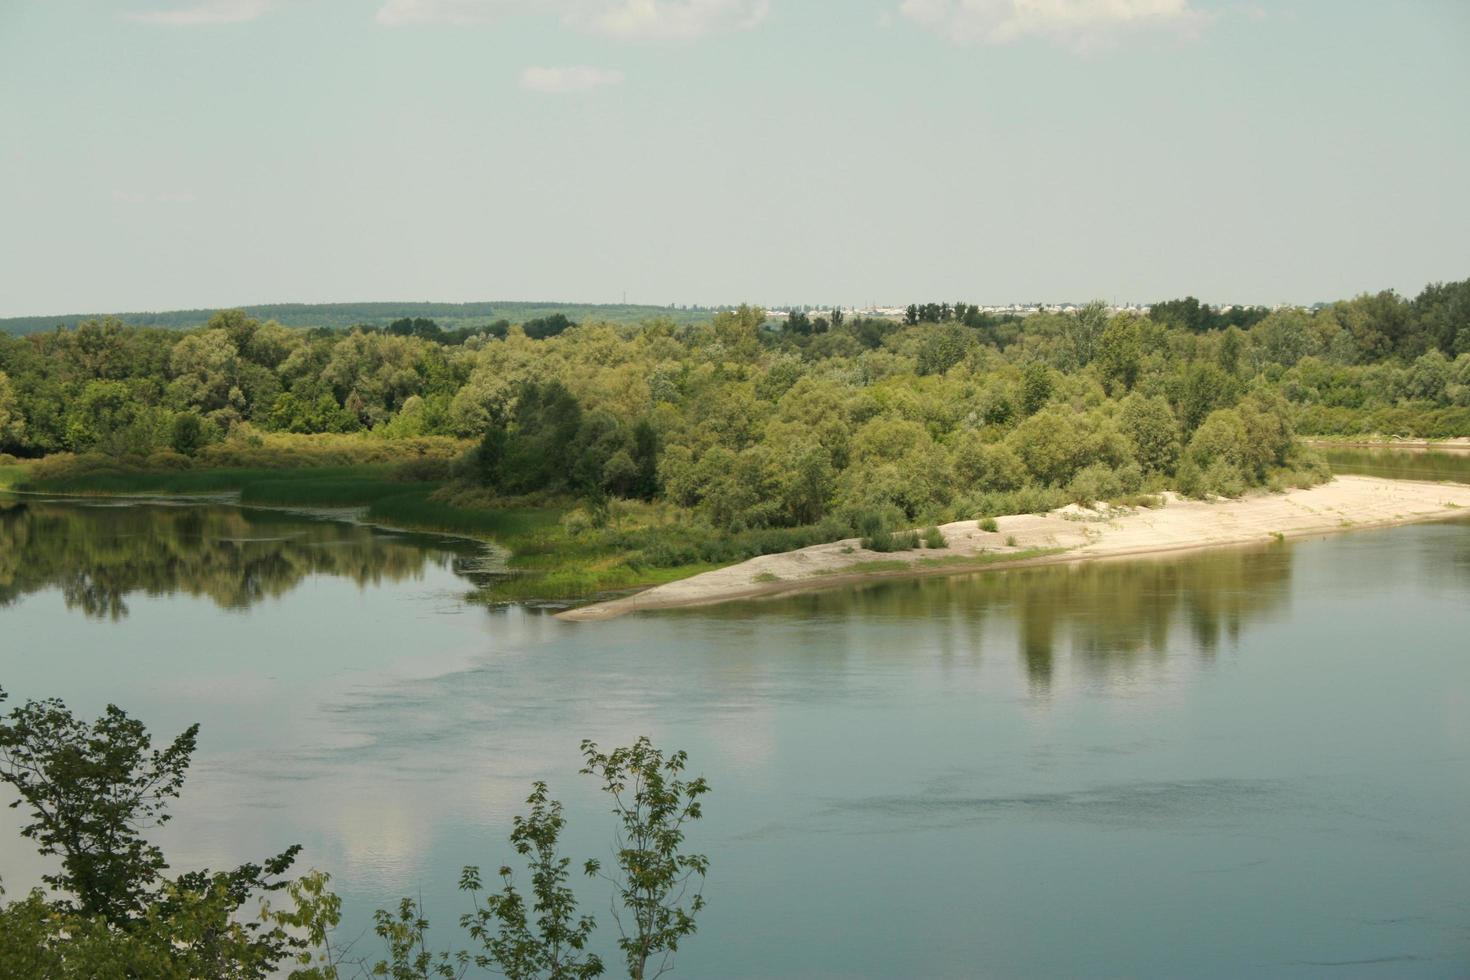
1068 535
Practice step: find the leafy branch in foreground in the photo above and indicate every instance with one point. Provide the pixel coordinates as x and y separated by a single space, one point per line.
651 878
92 790
554 944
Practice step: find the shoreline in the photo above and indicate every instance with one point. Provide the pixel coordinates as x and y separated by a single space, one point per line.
1452 444
1069 536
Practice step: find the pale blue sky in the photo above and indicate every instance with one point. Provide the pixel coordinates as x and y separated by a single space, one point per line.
175 153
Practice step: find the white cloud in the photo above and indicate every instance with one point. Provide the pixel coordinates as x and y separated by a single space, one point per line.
204 12
660 20
569 80
639 20
1077 23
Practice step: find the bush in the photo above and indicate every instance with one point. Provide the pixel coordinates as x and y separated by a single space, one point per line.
1221 478
877 535
874 530
989 524
165 459
1224 479
1220 439
1027 500
934 538
576 522
1094 483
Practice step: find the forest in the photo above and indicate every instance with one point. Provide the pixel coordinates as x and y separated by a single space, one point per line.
741 428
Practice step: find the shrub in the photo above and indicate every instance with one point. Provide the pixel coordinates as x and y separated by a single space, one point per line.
1026 500
186 433
987 467
1221 438
576 522
877 535
165 459
1094 483
1224 479
989 524
934 538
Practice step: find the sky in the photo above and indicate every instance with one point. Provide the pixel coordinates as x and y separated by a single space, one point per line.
165 154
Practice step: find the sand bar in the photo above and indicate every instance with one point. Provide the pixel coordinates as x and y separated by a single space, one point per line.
1068 535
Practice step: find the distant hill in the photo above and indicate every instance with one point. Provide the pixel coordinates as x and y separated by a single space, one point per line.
450 316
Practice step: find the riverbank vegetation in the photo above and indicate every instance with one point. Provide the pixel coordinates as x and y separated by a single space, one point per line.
637 453
113 907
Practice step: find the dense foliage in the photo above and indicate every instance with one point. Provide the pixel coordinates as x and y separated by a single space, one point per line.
752 426
93 790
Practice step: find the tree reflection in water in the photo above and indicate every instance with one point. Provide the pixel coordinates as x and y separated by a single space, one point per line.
1112 616
100 555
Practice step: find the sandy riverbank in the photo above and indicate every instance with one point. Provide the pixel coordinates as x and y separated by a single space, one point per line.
1458 443
1068 535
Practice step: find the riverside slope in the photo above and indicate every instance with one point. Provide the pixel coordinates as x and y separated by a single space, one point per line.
1071 534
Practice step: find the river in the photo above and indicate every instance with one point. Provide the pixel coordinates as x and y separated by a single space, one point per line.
1249 762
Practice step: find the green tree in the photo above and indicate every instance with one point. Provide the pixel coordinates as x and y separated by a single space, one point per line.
658 886
1120 353
1220 438
1150 426
644 456
987 467
12 422
1202 388
1036 387
186 434
101 418
91 789
942 348
1228 354
1182 314
546 938
1082 330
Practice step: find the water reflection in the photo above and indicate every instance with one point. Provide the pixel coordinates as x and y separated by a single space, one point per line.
1262 749
1402 464
100 555
1111 616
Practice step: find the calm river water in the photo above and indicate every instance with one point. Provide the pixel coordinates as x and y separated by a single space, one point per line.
1254 762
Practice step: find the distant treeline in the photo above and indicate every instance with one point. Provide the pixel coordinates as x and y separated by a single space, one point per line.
344 316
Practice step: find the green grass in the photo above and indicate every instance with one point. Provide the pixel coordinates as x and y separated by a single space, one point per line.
868 567
959 562
12 475
210 481
525 527
320 493
988 558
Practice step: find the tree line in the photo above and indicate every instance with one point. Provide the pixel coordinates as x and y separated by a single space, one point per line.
749 426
